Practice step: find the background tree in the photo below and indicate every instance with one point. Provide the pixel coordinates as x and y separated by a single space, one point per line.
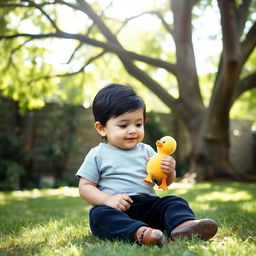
26 23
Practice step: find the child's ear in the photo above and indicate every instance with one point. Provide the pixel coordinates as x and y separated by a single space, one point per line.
100 129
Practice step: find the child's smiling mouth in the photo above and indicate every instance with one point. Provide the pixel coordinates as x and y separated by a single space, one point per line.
130 139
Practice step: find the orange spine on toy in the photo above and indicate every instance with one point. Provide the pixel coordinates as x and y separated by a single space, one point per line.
165 147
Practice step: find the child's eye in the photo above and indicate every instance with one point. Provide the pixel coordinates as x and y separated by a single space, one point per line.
123 126
138 125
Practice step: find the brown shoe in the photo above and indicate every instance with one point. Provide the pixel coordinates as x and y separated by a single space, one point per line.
204 229
150 236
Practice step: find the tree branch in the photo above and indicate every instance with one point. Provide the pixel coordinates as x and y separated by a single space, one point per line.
33 5
186 65
38 6
81 70
249 43
158 14
229 31
74 52
225 85
105 45
242 15
10 62
241 18
245 84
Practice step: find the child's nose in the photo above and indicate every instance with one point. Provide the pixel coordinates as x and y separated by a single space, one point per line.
133 129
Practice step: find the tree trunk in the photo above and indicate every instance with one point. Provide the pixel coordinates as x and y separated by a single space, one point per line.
210 154
208 127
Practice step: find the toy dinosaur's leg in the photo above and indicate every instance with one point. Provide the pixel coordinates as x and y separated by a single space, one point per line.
148 179
163 185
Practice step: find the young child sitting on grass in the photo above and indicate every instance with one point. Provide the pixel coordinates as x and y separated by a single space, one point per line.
111 179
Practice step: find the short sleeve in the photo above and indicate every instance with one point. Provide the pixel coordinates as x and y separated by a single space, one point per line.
89 168
150 151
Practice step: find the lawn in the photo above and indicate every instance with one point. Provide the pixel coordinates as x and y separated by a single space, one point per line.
55 222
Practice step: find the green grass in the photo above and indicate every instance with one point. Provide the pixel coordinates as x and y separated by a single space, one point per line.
55 222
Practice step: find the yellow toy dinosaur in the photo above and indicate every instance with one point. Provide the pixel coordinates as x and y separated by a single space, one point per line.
165 147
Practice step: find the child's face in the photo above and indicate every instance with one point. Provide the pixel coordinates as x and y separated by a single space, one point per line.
125 131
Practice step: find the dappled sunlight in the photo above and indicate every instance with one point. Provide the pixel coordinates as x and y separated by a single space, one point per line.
63 192
177 185
228 243
206 191
191 185
72 250
226 195
222 246
182 188
37 193
52 233
249 207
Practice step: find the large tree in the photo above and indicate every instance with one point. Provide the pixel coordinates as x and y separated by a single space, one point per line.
207 125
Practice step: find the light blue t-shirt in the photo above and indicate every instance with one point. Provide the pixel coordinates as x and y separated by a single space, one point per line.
118 171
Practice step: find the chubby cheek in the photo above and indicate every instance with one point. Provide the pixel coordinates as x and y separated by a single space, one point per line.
141 135
117 135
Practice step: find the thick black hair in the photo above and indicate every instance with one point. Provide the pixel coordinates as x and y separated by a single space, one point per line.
115 100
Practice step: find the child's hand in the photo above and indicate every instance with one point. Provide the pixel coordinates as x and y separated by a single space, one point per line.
121 202
168 165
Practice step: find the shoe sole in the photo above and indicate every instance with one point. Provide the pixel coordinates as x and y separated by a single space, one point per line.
204 229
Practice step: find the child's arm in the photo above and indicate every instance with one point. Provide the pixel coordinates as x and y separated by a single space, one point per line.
92 195
168 166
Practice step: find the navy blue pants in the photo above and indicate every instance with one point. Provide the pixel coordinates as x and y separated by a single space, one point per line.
163 213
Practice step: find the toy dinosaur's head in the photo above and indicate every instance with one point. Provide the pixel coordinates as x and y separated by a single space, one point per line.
166 145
